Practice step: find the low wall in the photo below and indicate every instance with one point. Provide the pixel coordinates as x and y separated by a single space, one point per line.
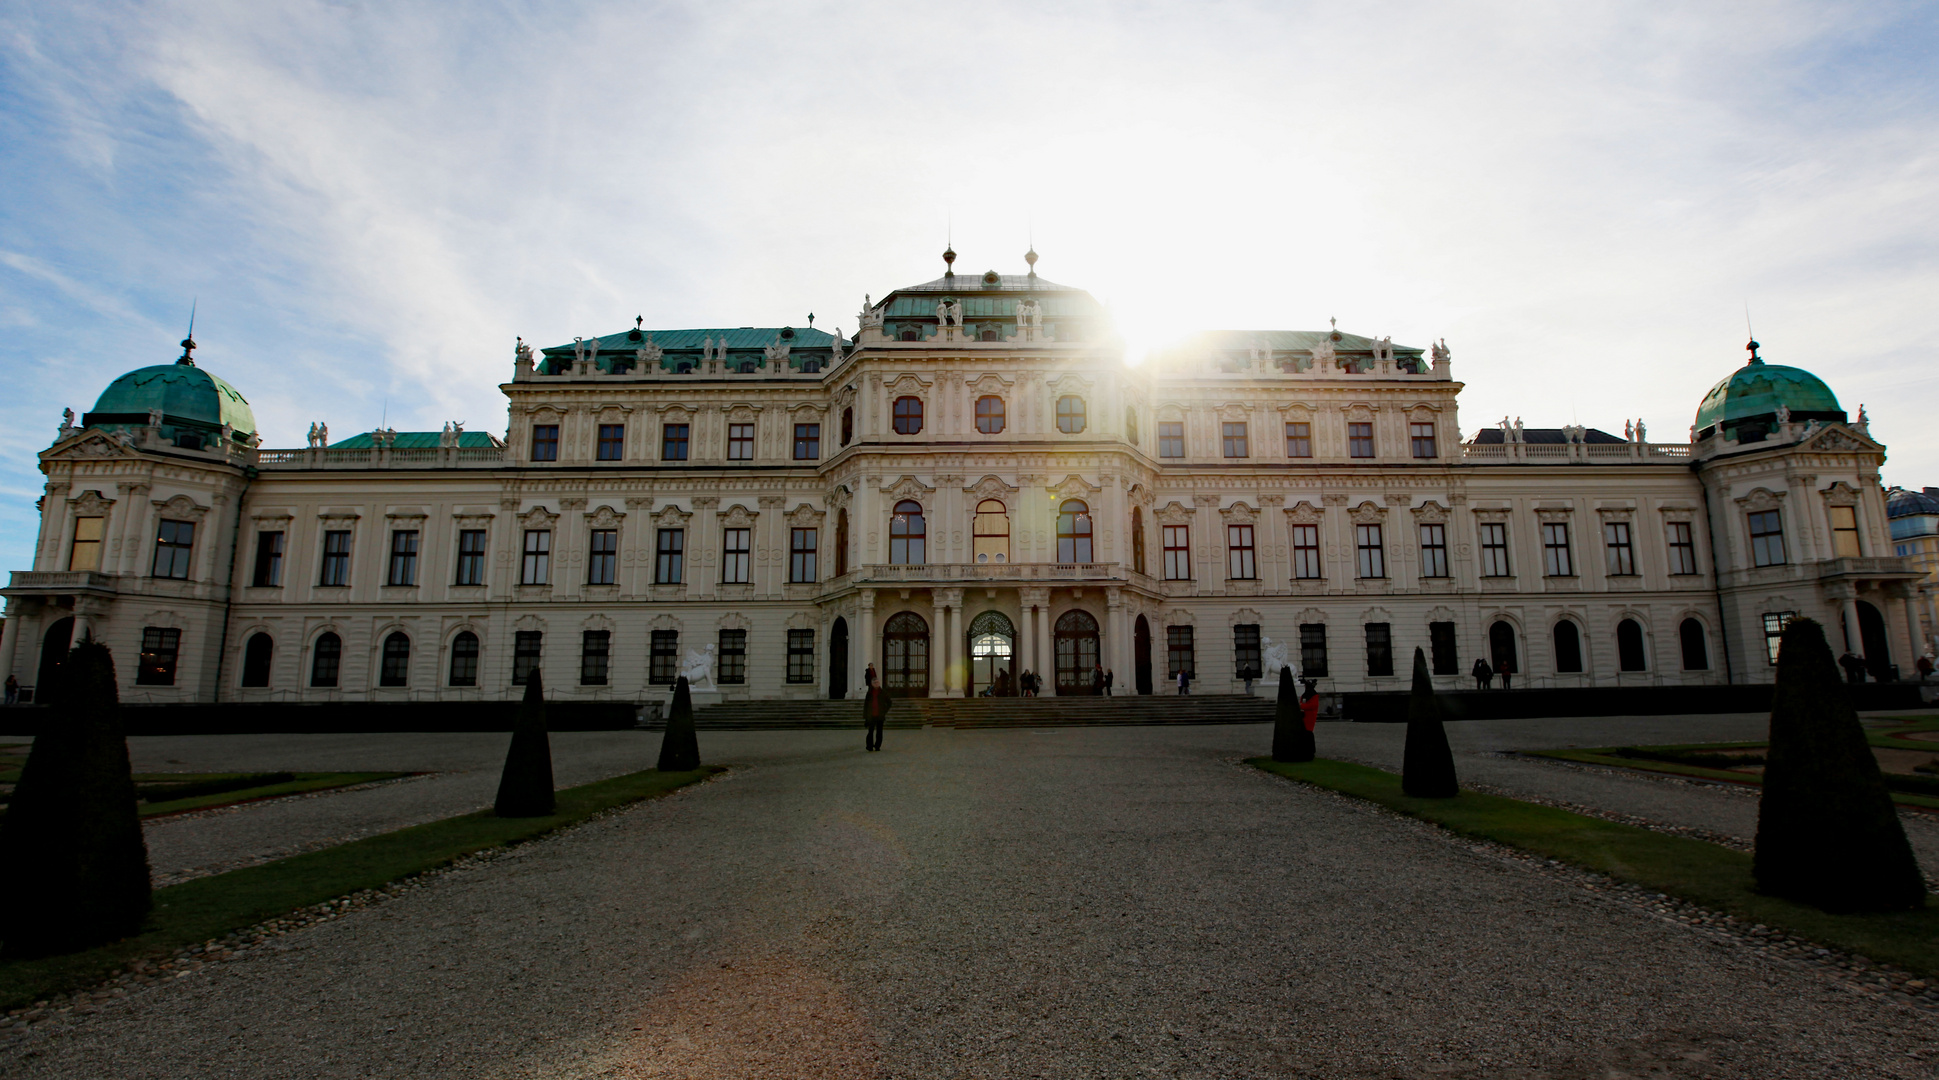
340 717
1390 707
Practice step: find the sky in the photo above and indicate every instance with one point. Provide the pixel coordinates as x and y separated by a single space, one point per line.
368 203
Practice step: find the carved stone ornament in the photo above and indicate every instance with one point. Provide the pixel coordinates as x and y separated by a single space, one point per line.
91 504
1180 617
738 517
180 507
1431 511
1074 487
1173 514
96 445
805 517
1761 499
1239 514
675 413
800 620
1234 412
1553 514
1304 513
906 384
742 412
671 517
605 518
1313 615
1359 411
989 384
1840 494
991 487
908 487
1377 615
1367 514
1245 617
1833 439
733 620
538 518
598 622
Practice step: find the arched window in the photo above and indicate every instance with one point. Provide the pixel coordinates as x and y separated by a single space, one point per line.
1070 414
906 533
1073 532
1138 539
991 532
989 414
841 541
255 660
908 415
396 669
1696 646
1131 425
848 426
1568 648
1629 646
326 656
464 659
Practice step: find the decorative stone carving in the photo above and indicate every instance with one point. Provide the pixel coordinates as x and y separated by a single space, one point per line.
1760 499
91 504
538 518
908 487
1304 513
1840 494
1367 514
805 517
739 517
1239 514
1173 514
180 507
1431 512
605 518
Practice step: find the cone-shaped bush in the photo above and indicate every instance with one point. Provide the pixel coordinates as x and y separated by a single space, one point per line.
1290 739
1827 832
75 859
680 748
525 787
1427 768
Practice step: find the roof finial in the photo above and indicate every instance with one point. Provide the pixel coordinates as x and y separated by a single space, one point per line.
188 343
1031 258
639 321
949 261
811 320
1752 334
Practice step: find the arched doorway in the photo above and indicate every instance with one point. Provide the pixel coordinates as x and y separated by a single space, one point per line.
53 650
1878 651
992 649
905 655
838 659
1077 653
1141 650
1501 646
1568 648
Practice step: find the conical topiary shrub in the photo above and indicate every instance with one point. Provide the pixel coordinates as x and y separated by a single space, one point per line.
525 787
680 748
72 844
1427 768
1827 832
1290 739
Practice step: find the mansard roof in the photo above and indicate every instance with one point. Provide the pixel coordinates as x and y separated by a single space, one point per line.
1551 435
1284 341
736 337
415 440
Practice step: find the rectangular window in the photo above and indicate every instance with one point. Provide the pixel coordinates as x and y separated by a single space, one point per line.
1306 552
1494 549
602 561
673 442
801 656
1622 555
1299 439
1239 553
1380 649
269 560
801 554
1555 550
1844 531
159 646
1766 539
1178 553
1422 436
663 662
403 557
807 442
595 651
1372 550
174 543
1235 440
471 557
1440 642
1434 550
336 558
1774 631
1246 661
1171 439
1360 440
526 647
85 554
612 442
1682 549
740 442
735 555
545 442
1312 650
731 667
667 556
1178 651
536 567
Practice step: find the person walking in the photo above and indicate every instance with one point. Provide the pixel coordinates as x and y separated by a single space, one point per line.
13 689
1184 682
868 677
875 710
1109 678
1483 674
1097 680
1506 669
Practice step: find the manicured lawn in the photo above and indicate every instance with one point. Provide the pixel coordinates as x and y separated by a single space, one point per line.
1706 874
212 906
303 782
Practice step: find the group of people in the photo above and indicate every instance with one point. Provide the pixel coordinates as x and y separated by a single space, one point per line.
1484 673
1030 684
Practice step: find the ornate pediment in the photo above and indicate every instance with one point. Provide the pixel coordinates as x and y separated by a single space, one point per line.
674 412
180 507
605 518
95 444
1074 487
804 516
91 504
1431 511
664 622
800 620
1069 382
1761 499
1304 513
989 383
991 487
1840 494
1239 514
734 620
1839 439
1139 495
1173 514
1179 617
739 517
1245 616
1360 411
1367 513
908 384
538 518
908 487
742 412
1234 412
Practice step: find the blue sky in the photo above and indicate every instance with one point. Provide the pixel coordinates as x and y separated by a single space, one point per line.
369 202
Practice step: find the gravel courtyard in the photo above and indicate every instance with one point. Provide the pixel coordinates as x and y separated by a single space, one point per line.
1083 902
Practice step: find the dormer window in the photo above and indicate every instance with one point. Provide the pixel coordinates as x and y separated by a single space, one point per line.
910 333
188 441
811 367
989 334
747 367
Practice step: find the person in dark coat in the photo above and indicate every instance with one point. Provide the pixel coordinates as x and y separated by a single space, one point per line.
1109 678
1505 669
1854 666
1097 680
875 710
868 677
1483 674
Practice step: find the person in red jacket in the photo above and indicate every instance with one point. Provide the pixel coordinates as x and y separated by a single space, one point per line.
1309 706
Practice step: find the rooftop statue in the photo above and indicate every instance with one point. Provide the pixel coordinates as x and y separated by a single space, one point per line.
579 350
1441 353
649 354
67 423
1641 436
1324 353
521 352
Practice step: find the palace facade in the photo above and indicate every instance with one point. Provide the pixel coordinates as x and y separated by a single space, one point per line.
975 483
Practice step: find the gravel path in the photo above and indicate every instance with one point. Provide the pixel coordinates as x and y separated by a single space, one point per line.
1088 902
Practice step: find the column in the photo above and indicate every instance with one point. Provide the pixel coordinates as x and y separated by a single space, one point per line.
957 655
1045 647
861 648
1855 637
1117 641
1026 634
1913 635
938 644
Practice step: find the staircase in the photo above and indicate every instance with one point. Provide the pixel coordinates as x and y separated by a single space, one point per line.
976 713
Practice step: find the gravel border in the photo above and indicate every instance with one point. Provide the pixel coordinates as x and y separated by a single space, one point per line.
1889 984
26 1021
163 878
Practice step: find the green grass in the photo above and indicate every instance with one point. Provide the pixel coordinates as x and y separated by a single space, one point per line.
213 906
304 782
1714 877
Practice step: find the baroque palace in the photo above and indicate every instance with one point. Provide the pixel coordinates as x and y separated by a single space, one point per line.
975 484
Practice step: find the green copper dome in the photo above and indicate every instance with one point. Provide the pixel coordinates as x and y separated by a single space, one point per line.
185 395
1750 397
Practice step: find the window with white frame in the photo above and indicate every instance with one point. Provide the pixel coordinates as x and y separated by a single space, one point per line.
1306 552
1178 552
1555 550
1494 549
1240 564
1621 554
1372 551
736 555
1434 550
